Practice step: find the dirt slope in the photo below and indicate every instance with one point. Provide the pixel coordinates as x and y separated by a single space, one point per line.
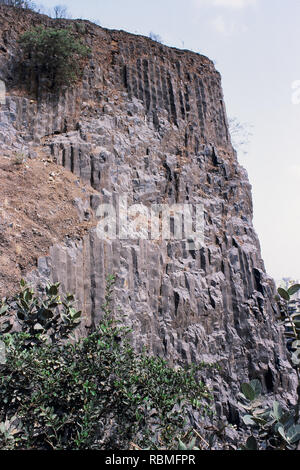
38 208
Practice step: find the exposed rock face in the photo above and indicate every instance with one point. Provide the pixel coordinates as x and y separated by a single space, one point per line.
150 122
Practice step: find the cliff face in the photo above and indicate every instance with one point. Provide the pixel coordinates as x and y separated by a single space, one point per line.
149 122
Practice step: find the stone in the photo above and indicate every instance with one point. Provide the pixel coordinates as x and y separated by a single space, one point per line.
162 139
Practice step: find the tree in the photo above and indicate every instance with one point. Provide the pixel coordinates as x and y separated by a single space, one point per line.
155 37
61 11
55 54
240 134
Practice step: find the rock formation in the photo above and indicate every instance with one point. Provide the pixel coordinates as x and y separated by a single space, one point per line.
149 121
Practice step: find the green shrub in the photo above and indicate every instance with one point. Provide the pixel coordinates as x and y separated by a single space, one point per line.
275 427
96 393
54 54
290 319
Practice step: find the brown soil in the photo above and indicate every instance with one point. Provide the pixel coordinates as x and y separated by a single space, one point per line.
37 210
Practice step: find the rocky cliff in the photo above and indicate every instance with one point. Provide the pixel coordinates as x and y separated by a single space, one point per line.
149 122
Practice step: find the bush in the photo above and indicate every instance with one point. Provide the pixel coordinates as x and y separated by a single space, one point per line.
275 427
54 54
290 319
60 12
96 393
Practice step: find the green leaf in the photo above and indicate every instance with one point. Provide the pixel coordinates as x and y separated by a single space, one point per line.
181 445
28 295
287 420
283 294
53 305
282 433
70 298
251 443
248 391
260 412
192 444
248 420
294 289
53 290
293 434
46 314
296 357
24 305
277 410
76 315
257 387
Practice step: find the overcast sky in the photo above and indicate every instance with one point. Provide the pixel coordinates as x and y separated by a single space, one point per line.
256 46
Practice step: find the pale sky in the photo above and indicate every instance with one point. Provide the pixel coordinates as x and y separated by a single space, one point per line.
255 45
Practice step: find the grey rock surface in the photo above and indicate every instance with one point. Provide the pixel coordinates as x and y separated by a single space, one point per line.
149 121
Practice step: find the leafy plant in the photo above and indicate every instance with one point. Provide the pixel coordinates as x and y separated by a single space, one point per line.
44 317
275 427
19 158
9 431
96 393
54 54
190 446
290 319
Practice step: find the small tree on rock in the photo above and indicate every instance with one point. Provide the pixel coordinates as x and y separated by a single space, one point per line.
54 54
60 11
